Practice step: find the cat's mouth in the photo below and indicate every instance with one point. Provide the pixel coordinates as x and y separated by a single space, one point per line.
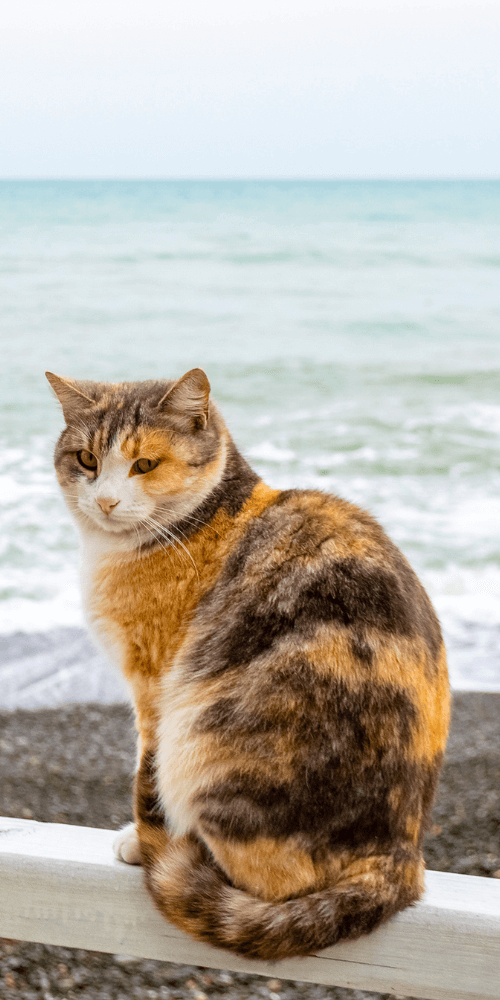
146 525
115 523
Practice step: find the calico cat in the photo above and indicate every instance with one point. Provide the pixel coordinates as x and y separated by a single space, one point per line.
286 665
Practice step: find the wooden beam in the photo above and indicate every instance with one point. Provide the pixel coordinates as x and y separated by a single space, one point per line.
61 885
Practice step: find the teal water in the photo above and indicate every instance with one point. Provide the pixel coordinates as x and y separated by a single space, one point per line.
351 332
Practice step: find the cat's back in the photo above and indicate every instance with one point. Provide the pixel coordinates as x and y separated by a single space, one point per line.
313 684
313 568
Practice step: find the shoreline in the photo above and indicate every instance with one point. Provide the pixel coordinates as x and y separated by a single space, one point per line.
62 666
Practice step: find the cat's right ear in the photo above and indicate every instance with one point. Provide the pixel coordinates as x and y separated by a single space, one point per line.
70 396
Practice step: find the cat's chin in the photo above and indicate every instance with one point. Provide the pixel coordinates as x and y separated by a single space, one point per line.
116 529
109 525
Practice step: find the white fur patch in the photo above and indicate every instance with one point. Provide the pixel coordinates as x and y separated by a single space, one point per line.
126 845
183 769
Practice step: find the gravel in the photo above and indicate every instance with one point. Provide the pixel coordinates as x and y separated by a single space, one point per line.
73 765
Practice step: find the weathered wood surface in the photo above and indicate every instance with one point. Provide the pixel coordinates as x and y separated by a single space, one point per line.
61 885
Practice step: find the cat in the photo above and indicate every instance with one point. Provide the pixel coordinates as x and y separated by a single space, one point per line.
287 669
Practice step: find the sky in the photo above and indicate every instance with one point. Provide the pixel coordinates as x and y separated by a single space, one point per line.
250 88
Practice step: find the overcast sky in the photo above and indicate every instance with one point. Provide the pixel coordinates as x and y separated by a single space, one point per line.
266 88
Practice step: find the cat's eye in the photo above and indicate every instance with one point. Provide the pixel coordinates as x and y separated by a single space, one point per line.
86 459
144 465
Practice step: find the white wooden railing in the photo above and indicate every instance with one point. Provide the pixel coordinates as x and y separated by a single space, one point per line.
61 885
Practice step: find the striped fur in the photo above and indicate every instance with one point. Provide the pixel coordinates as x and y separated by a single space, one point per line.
287 670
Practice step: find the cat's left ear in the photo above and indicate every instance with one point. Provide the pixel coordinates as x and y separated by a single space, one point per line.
188 397
70 394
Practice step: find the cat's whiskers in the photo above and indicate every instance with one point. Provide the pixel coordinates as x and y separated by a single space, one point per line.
170 536
74 504
170 527
161 508
166 548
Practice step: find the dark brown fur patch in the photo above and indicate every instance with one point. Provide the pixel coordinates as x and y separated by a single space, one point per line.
147 804
349 750
348 594
233 491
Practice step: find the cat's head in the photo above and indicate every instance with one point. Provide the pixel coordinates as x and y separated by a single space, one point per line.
136 454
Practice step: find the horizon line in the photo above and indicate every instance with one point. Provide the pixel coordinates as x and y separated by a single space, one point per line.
257 178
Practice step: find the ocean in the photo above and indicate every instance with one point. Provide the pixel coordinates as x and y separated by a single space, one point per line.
351 334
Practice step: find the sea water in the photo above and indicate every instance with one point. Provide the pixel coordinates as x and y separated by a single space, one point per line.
351 334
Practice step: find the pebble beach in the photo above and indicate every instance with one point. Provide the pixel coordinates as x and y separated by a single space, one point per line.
74 764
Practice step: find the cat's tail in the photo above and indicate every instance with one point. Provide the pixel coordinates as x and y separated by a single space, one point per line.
192 892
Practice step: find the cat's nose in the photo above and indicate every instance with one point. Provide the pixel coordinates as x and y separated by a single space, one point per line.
106 504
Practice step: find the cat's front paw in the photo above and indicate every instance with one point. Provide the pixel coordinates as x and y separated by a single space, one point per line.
126 845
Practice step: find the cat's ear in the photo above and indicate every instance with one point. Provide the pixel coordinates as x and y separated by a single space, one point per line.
188 398
69 393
